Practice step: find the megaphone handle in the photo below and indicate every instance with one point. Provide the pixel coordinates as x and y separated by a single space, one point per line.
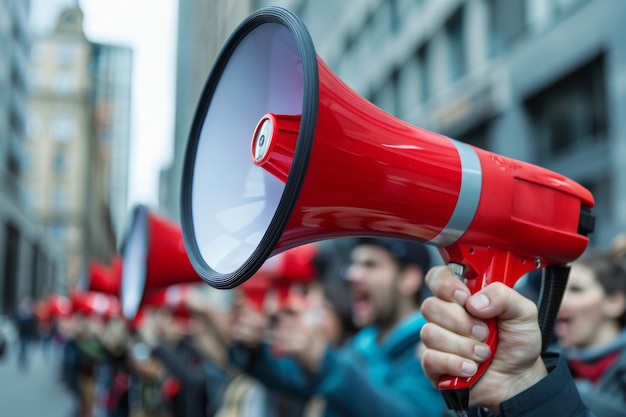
488 265
455 390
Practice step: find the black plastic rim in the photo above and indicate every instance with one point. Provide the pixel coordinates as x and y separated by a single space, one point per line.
299 166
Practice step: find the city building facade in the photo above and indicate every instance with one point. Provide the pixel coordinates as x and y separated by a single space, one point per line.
27 258
77 129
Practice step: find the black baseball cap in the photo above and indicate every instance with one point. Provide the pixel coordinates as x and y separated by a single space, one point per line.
406 252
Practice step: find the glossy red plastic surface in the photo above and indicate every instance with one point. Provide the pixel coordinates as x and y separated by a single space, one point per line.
167 262
105 279
371 174
282 143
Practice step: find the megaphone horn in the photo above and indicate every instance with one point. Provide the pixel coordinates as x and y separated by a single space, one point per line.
282 153
154 257
105 279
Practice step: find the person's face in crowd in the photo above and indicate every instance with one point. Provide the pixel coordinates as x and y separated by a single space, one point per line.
321 310
116 332
585 311
373 274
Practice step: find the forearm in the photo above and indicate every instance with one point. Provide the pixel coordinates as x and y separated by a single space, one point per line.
281 373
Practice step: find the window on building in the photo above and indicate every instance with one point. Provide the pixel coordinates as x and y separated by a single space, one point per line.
424 73
4 67
58 231
387 97
64 82
59 199
408 100
571 112
28 199
34 81
37 52
395 18
67 52
456 47
33 126
507 20
28 161
63 128
10 272
60 162
540 14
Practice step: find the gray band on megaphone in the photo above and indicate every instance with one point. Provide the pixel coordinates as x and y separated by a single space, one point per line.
469 196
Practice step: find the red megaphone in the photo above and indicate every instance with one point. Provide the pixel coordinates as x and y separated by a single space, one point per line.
254 291
154 257
105 279
279 275
60 306
95 304
283 153
173 297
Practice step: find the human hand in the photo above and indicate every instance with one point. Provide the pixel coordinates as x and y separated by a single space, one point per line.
148 331
455 333
195 301
298 333
248 326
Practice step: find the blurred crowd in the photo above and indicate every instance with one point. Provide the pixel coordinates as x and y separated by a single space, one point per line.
344 343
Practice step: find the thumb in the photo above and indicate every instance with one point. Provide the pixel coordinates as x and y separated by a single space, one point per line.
499 300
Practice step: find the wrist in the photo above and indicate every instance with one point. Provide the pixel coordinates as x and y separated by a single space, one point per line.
519 383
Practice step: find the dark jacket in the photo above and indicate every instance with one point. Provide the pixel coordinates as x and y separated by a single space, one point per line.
607 396
555 395
184 363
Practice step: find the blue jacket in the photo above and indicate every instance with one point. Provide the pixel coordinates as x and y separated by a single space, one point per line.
361 379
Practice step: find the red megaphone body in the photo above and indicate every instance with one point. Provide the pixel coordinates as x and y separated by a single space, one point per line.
154 257
309 159
105 279
173 297
60 306
95 304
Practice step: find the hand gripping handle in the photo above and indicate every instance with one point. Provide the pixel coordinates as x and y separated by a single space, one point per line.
479 267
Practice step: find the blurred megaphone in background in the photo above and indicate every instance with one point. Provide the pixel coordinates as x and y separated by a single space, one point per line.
105 279
153 257
92 303
173 298
281 277
282 153
60 305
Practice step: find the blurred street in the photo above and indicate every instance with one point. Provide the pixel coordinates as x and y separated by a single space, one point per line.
34 391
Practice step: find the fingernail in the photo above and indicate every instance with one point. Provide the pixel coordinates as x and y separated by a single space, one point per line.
480 332
482 351
479 301
469 368
460 297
